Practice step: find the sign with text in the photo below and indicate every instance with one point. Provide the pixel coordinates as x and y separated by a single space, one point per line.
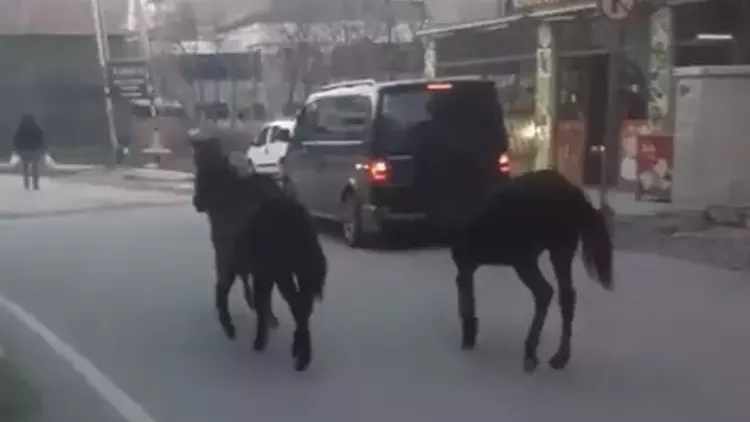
128 79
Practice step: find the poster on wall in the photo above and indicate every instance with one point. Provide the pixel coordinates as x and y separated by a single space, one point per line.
654 170
629 132
569 148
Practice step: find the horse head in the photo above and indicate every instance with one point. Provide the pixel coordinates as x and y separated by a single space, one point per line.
223 179
214 173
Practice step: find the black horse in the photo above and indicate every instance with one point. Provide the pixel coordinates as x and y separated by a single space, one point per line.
488 221
280 246
229 200
257 230
536 212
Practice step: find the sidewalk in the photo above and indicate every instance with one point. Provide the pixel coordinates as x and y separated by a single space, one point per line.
625 204
50 168
58 197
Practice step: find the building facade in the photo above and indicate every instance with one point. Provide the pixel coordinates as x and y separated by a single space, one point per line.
550 60
50 69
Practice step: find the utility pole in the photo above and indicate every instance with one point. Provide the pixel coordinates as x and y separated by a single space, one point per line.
390 24
156 149
102 47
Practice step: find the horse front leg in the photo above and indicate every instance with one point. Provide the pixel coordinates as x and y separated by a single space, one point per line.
542 292
224 282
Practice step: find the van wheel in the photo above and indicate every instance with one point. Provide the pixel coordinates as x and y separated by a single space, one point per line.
351 222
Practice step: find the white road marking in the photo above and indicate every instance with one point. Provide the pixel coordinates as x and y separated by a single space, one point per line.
129 409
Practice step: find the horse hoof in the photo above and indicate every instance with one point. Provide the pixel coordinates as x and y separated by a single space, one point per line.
469 328
530 364
273 322
229 330
295 350
259 344
559 361
302 363
468 344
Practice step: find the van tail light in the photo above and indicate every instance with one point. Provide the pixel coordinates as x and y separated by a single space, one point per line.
503 164
376 170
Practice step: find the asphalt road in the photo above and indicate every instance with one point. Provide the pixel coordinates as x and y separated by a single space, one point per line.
131 291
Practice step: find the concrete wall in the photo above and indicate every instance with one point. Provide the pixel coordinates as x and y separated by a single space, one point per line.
712 144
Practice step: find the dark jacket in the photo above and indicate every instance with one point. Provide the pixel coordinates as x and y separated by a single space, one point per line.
29 136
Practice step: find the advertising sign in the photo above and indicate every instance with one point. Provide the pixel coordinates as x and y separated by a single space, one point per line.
628 153
569 149
655 161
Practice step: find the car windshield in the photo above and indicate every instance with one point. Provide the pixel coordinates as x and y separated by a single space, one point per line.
470 112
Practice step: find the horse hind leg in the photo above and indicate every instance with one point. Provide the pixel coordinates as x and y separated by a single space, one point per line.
542 291
301 305
263 288
467 306
224 284
562 263
273 322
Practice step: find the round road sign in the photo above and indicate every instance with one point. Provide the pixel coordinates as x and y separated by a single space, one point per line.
616 10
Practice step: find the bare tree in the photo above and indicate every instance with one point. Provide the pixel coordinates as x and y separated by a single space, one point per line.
172 61
301 53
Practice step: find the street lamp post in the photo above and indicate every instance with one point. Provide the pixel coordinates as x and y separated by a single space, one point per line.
617 11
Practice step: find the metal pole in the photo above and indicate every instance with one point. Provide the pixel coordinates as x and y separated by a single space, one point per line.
613 121
102 48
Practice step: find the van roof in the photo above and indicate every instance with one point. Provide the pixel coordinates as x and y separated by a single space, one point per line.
369 88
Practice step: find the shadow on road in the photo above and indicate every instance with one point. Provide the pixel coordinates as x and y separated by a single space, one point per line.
407 238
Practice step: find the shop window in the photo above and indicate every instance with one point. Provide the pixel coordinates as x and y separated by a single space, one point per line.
713 33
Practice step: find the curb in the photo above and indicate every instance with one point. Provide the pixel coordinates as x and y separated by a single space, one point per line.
49 172
141 185
93 208
187 177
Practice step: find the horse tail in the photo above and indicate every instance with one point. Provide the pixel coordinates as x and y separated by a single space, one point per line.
313 278
597 251
314 266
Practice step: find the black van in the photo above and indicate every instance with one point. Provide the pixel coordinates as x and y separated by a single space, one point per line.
352 157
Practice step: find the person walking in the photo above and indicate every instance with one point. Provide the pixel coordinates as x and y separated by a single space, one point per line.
29 144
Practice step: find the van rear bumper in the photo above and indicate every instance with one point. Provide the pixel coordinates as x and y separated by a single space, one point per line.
374 217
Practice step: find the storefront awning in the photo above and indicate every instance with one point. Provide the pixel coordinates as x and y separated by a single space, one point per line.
502 22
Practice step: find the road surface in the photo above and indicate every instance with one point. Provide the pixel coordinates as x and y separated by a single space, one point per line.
131 292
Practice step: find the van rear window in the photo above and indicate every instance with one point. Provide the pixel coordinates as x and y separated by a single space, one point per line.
465 112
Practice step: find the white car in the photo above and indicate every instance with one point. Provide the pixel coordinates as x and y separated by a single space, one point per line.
270 146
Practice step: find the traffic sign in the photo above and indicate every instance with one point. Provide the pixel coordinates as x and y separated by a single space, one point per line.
616 10
128 79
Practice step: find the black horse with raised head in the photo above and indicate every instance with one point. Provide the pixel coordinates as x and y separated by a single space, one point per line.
511 223
258 231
